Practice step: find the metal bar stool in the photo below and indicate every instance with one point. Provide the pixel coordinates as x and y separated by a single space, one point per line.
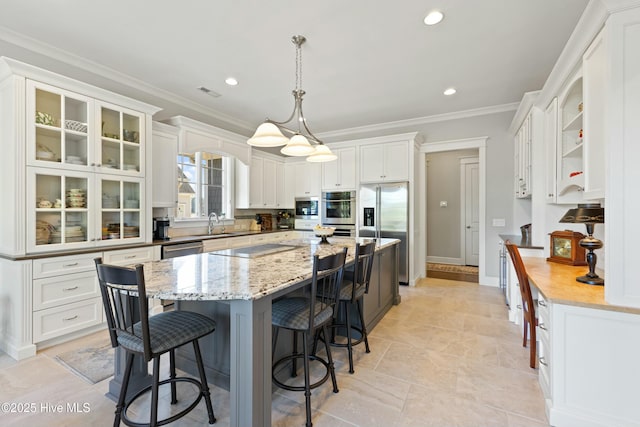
123 292
354 286
309 315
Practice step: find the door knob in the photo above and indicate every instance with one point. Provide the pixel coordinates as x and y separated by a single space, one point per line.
468 226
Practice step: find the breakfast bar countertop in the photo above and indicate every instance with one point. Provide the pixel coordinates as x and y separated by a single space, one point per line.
222 277
557 283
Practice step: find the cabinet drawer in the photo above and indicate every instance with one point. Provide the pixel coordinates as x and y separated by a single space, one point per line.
57 321
49 267
55 291
128 256
215 244
238 242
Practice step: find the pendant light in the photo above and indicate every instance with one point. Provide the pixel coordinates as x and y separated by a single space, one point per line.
271 133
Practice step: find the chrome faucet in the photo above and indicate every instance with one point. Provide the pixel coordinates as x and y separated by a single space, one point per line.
214 216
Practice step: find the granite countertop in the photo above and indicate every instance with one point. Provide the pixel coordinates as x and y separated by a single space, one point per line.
557 283
519 241
174 240
209 276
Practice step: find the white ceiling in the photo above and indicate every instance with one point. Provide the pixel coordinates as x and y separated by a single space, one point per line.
365 62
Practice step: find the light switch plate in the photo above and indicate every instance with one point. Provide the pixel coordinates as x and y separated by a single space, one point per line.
499 222
443 204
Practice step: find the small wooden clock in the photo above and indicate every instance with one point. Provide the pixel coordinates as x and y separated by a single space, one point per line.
565 248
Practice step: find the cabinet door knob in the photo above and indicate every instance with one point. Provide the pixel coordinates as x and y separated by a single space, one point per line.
542 326
542 303
543 361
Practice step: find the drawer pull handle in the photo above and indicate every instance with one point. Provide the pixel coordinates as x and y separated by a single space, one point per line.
130 256
542 303
519 307
541 326
70 289
543 361
73 264
71 318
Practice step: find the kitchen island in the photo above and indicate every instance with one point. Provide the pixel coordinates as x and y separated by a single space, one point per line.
237 291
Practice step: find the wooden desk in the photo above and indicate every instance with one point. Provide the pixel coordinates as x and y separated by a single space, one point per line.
588 350
557 282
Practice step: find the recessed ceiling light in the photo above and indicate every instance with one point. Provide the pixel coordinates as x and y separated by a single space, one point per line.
450 91
231 81
434 17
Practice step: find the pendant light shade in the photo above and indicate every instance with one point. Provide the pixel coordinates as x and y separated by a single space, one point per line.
268 135
271 132
298 146
322 154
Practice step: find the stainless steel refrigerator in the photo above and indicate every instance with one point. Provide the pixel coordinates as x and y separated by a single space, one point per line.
384 212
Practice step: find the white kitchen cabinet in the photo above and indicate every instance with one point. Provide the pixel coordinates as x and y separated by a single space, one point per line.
120 147
71 209
262 183
256 176
67 137
59 128
522 158
164 167
286 186
340 175
595 98
585 358
129 256
622 128
66 296
384 162
307 177
550 141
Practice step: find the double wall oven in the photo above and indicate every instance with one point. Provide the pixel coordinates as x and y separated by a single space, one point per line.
338 209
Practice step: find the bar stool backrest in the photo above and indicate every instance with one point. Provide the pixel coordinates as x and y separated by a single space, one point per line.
124 299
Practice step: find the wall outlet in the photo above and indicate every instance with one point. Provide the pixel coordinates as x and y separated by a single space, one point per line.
443 204
499 222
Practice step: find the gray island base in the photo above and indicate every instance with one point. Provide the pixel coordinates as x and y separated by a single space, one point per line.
237 292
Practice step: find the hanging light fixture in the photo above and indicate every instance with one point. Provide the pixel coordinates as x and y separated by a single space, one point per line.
271 133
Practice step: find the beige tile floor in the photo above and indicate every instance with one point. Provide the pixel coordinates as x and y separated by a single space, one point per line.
446 356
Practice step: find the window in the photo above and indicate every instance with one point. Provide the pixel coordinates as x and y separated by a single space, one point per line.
204 185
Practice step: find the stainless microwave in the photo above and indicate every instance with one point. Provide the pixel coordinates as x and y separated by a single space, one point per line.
338 208
307 208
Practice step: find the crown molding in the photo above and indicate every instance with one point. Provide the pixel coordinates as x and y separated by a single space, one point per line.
422 120
68 58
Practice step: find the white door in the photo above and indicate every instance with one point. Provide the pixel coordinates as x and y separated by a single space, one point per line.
470 192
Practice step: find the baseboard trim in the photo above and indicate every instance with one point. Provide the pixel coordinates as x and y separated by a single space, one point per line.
445 260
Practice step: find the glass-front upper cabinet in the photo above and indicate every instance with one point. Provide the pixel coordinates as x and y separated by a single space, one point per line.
120 137
71 209
59 209
120 210
58 126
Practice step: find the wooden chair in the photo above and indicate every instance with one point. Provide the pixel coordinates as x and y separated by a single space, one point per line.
529 318
307 315
124 298
354 286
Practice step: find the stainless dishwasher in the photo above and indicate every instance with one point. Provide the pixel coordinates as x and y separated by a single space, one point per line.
181 249
176 250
